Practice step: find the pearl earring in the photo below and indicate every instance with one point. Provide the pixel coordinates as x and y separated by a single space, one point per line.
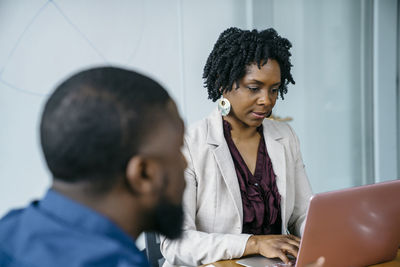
224 106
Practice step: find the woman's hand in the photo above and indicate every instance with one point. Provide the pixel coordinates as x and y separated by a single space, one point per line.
273 246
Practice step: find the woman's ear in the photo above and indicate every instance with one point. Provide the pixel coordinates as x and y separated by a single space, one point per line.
143 175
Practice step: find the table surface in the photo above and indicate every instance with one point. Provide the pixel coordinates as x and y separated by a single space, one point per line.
232 263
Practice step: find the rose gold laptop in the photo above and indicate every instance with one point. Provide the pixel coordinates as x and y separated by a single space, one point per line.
359 226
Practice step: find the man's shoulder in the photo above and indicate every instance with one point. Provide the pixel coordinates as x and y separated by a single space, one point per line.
10 223
10 237
6 260
10 217
115 259
29 238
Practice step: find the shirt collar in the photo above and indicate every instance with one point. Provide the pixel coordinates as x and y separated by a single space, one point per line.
215 131
82 217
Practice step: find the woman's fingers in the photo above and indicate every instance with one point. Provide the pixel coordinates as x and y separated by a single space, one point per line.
291 249
293 237
278 246
282 256
293 242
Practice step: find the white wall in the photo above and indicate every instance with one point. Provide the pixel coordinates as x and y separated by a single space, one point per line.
325 103
44 41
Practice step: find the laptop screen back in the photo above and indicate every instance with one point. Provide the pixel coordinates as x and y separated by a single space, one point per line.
359 226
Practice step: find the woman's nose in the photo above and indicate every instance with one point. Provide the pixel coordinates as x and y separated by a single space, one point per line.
264 98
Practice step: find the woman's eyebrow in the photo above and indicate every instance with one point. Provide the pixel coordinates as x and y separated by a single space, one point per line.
278 83
254 81
259 82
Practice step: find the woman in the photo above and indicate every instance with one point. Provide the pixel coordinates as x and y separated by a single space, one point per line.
246 183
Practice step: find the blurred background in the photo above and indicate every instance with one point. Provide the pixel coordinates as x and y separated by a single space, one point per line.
344 105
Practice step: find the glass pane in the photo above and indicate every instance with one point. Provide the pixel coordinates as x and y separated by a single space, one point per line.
325 103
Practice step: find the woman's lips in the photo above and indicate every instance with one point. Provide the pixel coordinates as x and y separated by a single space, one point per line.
259 115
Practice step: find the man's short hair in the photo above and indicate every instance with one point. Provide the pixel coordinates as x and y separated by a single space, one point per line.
96 120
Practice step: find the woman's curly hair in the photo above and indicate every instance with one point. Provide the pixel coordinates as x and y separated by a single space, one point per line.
236 49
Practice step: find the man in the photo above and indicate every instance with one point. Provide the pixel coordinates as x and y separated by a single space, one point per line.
111 139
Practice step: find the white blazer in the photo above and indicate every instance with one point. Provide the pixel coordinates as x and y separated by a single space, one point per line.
212 201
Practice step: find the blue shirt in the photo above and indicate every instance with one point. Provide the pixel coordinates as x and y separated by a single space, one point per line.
58 231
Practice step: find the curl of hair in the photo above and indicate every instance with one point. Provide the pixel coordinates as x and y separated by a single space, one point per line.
236 49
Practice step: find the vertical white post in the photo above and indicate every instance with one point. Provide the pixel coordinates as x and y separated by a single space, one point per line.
181 61
367 122
384 90
249 15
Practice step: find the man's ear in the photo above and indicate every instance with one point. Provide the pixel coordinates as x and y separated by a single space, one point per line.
143 175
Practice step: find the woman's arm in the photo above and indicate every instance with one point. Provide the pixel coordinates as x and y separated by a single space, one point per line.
195 247
302 191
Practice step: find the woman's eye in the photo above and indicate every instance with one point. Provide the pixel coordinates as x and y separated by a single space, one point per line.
253 88
275 90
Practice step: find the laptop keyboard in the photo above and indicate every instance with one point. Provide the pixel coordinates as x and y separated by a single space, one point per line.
282 264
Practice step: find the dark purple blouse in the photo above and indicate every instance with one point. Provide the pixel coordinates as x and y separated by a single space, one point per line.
260 195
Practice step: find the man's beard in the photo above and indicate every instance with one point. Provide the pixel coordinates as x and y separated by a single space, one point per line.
169 219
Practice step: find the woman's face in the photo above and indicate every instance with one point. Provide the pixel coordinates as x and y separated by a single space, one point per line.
257 93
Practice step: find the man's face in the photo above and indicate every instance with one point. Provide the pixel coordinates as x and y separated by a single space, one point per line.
167 141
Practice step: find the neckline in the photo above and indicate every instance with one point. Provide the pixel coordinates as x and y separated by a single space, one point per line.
228 137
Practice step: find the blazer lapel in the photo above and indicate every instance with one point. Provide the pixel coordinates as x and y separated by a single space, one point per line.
276 152
215 137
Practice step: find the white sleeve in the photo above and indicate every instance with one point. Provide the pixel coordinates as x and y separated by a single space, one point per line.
303 191
195 247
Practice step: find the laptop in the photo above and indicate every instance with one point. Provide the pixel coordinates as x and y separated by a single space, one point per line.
358 226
